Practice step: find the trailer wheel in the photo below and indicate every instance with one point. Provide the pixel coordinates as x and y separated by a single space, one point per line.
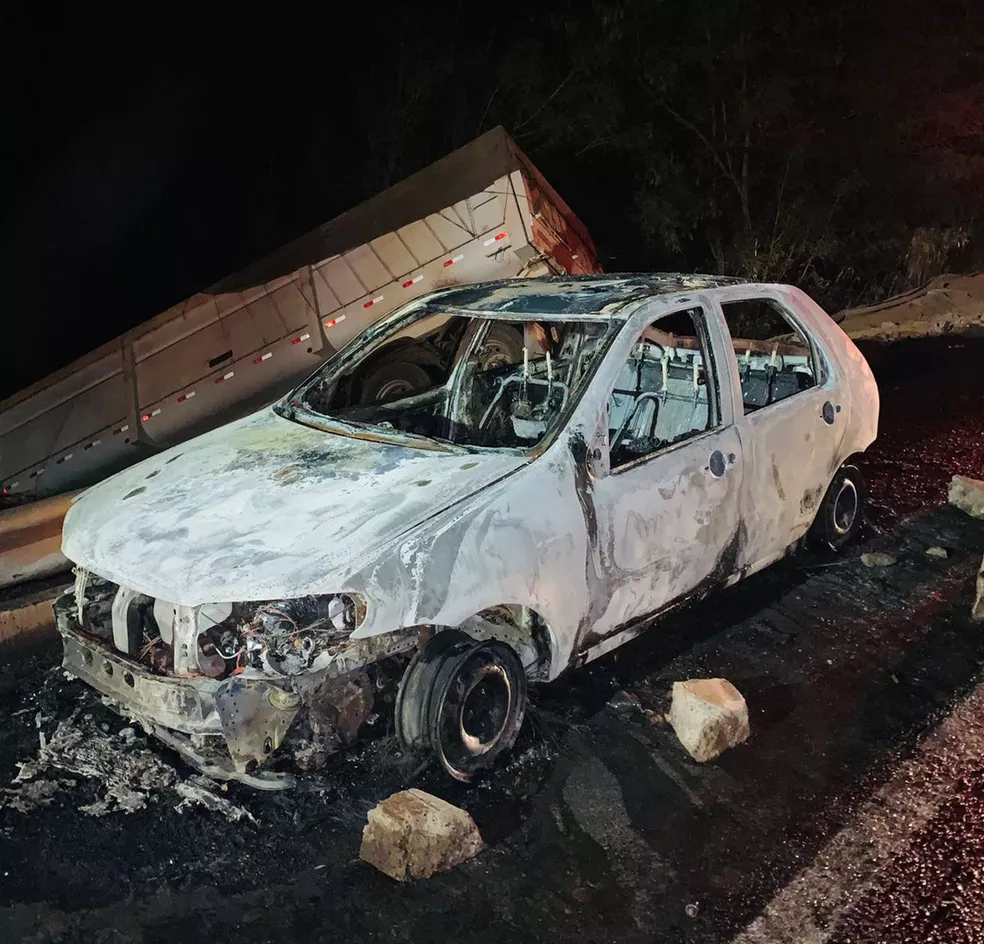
462 700
393 381
502 346
841 514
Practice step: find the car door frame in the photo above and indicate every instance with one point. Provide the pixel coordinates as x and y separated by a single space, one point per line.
604 627
789 448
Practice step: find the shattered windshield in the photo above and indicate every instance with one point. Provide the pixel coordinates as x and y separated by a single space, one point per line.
500 382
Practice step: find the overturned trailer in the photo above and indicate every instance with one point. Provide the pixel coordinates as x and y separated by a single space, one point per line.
483 212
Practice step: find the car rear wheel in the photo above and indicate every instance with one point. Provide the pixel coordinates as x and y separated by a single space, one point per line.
840 517
463 701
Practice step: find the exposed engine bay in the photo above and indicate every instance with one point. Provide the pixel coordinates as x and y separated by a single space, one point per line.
227 684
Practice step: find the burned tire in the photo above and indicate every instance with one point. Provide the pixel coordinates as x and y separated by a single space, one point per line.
840 517
394 381
463 701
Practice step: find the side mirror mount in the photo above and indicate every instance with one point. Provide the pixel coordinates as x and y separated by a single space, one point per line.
595 462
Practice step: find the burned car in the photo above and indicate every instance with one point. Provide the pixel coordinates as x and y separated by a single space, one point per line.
579 456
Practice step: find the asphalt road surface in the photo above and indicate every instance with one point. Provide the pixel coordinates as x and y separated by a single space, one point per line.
854 813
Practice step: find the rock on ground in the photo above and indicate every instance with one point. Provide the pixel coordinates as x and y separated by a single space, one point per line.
413 834
877 559
624 703
708 716
937 551
967 494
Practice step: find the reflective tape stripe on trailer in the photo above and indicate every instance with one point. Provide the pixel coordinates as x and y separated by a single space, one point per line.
227 376
302 337
413 281
331 322
373 301
263 357
453 260
148 416
495 239
186 396
119 429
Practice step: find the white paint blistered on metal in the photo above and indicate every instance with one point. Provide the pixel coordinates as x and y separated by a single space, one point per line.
270 509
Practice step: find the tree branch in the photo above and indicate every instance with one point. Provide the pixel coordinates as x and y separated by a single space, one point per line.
547 100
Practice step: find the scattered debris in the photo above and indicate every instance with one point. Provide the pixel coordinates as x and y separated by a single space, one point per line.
200 791
30 796
130 773
937 551
413 834
692 910
877 559
967 494
624 703
708 716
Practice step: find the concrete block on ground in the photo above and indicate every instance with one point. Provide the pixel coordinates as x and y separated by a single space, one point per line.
877 559
967 494
708 716
413 834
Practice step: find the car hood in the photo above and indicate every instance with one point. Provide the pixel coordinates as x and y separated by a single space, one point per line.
263 509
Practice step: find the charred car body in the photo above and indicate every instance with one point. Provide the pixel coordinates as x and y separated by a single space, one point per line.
585 453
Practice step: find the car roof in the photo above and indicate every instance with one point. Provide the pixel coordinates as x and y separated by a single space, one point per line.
570 295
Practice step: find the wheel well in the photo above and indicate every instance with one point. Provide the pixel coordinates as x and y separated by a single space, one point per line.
520 627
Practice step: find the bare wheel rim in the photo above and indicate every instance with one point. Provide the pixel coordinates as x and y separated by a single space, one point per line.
485 710
845 507
394 389
495 354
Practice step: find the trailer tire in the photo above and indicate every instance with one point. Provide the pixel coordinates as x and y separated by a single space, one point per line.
503 346
393 381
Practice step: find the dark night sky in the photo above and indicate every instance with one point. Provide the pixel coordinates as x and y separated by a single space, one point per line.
134 178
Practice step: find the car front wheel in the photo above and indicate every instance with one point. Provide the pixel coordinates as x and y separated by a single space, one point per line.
463 701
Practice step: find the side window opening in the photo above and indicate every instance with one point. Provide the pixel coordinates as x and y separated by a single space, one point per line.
775 360
666 392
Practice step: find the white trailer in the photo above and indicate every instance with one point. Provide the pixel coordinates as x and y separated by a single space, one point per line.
483 212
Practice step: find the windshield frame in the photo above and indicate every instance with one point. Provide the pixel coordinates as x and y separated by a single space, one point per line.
294 408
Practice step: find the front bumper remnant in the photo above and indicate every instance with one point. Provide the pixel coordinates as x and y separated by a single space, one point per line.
226 728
